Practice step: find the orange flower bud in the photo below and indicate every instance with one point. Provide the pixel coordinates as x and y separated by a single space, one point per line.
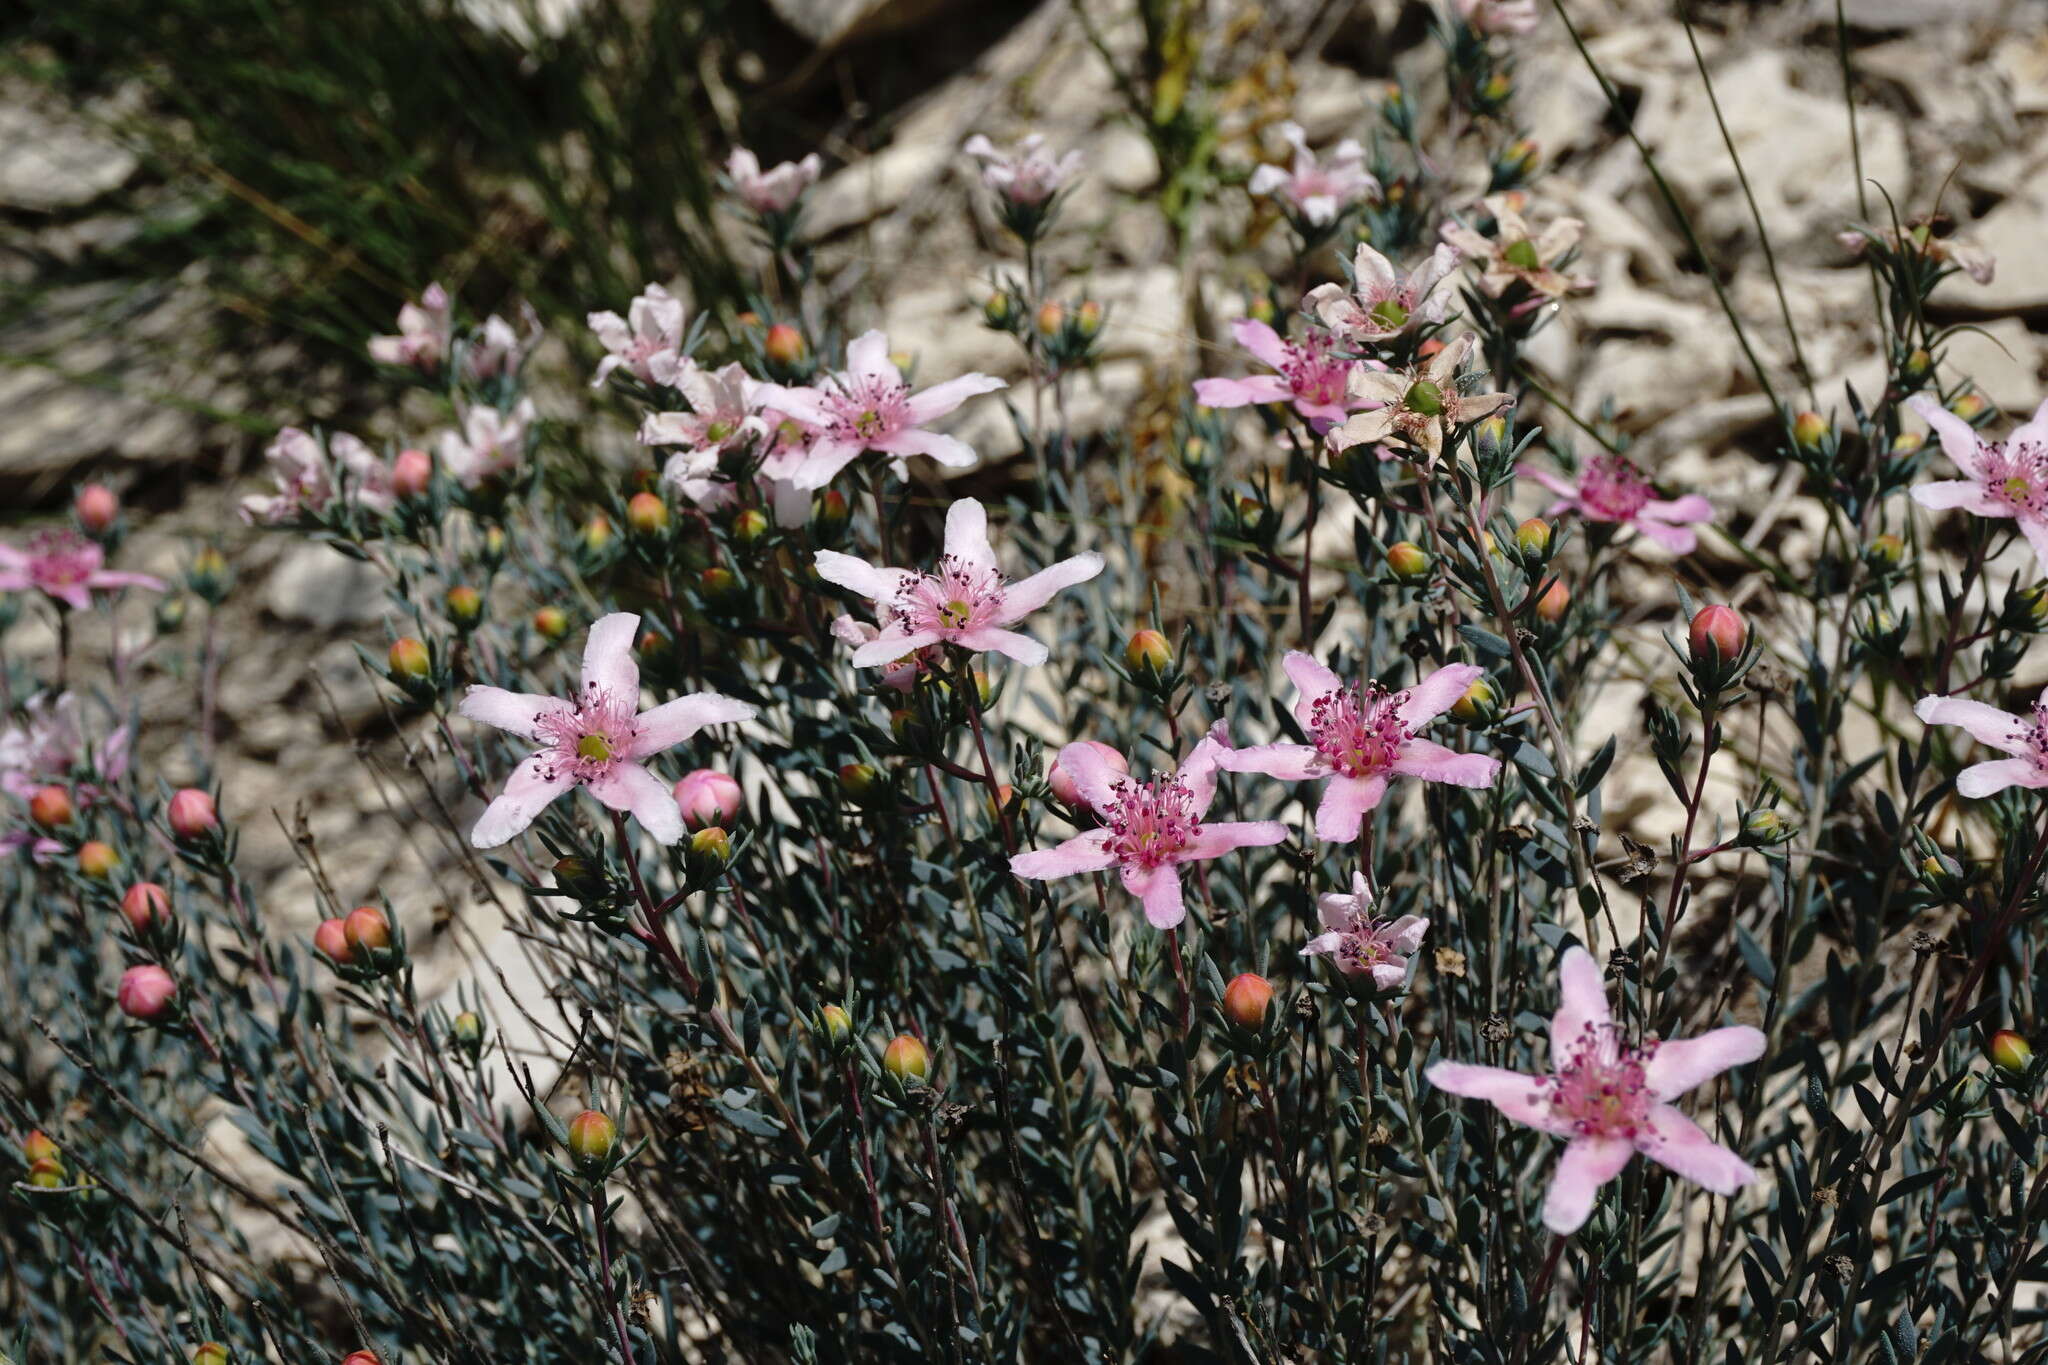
96 508
1556 599
366 930
647 514
191 814
1246 1000
331 938
2010 1051
1148 653
37 1146
51 807
593 1137
409 658
411 473
907 1060
144 904
1718 629
1408 561
97 859
550 623
784 344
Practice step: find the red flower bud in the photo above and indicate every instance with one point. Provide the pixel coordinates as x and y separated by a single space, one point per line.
784 344
411 472
144 904
146 992
550 623
593 1137
1062 782
1246 1000
97 859
97 509
37 1146
51 807
708 797
331 938
362 1358
1556 600
1718 629
907 1059
191 814
366 930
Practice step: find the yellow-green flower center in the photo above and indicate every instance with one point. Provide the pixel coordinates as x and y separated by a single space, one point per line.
955 614
1425 398
1388 313
596 748
1522 255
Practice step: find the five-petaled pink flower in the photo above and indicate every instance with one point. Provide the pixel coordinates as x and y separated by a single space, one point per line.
1028 175
725 417
2024 737
1316 192
47 745
67 568
647 343
599 739
1611 489
1148 830
490 445
1516 254
310 477
1310 375
773 191
1421 405
1510 17
2006 478
1360 944
1382 303
1612 1100
423 332
966 602
1360 739
868 406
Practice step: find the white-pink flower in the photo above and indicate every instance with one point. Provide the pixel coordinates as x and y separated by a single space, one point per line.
423 331
2023 737
1509 17
1382 303
1422 405
1361 739
67 568
967 602
1517 254
772 191
2006 478
1611 489
310 476
1308 374
491 443
1027 174
497 350
1314 191
1610 1099
647 343
599 739
1358 943
868 406
1149 829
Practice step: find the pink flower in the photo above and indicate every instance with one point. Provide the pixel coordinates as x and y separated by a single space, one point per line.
1315 193
1510 17
1610 1099
966 603
48 745
490 445
1516 254
600 739
869 407
1421 405
707 797
1149 829
423 333
67 568
1382 304
2006 478
1027 175
1357 943
2024 737
497 349
146 992
1611 489
773 191
1362 739
647 343
1309 376
310 478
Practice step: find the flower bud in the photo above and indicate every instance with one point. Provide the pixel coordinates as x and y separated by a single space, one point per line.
1764 827
652 646
464 604
46 1174
784 345
1408 561
366 930
1555 602
1533 537
901 723
362 1358
551 624
331 938
711 847
411 473
37 1146
468 1032
1247 999
210 1353
191 814
749 525
907 1059
1907 443
708 797
1062 782
145 904
2032 604
1148 654
208 577
97 509
718 583
493 552
577 877
2010 1052
994 803
829 512
1810 430
1251 517
170 614
859 780
647 514
146 993
1718 635
1885 551
1519 157
1916 367
597 532
51 807
1088 318
593 1137
1052 315
1000 311
1478 705
97 859
1969 406
1195 454
409 659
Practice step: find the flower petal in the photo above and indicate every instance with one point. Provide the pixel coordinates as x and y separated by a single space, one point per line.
1432 762
1985 724
1988 779
871 581
1082 853
1288 762
527 792
1519 1097
867 356
940 399
1159 888
1219 839
1262 341
1677 1143
631 788
950 451
1311 678
1027 595
1242 393
672 722
1959 440
1679 1064
1346 803
1581 1003
514 712
990 639
1436 694
891 645
1957 494
608 661
1587 1164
